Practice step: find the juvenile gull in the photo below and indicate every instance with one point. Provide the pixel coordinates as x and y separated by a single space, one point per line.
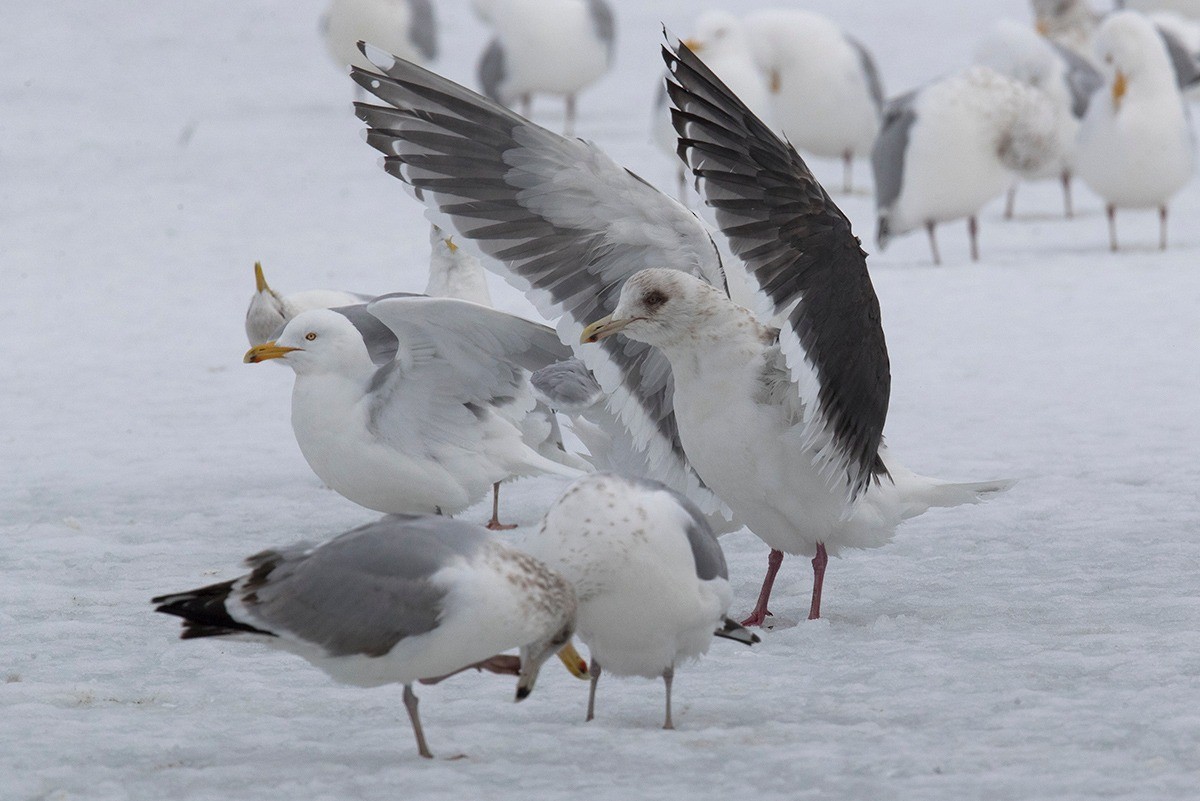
430 427
948 148
784 425
402 600
648 573
557 47
1136 145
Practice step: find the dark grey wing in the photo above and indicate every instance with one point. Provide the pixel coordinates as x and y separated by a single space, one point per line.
870 71
361 592
422 27
808 265
1183 61
887 157
604 23
492 70
1082 78
380 341
559 220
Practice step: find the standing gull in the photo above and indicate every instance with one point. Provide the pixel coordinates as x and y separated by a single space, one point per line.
398 601
948 148
648 574
557 47
410 404
826 93
1136 146
783 425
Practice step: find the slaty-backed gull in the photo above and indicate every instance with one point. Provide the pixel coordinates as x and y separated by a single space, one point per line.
402 600
1136 145
648 573
800 408
413 404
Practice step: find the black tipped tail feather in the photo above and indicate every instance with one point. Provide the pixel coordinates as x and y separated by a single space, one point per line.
732 630
203 612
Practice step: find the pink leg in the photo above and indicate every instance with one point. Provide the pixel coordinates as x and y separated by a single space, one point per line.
1068 211
1111 211
933 248
819 561
494 524
973 230
760 610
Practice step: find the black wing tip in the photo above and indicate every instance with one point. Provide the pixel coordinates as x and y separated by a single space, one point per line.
203 611
732 630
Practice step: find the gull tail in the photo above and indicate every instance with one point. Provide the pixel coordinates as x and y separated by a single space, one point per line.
928 493
731 630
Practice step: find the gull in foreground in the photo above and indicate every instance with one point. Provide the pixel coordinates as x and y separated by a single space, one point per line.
783 425
397 601
412 405
648 573
1136 145
948 148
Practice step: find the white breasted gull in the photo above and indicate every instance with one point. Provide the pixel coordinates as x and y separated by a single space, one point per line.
648 573
556 47
949 147
1069 81
1136 146
826 93
783 425
405 27
412 405
402 600
269 311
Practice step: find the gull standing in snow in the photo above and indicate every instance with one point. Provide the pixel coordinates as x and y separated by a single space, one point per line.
948 148
557 47
1069 81
782 425
270 311
826 94
1136 146
402 600
722 40
648 573
409 404
404 27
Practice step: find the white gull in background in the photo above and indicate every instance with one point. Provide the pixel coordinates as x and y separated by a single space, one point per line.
1188 8
948 148
826 93
404 27
269 311
556 47
1136 147
1069 81
402 600
722 40
648 574
783 425
412 404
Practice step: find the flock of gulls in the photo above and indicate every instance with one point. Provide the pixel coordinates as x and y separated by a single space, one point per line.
699 416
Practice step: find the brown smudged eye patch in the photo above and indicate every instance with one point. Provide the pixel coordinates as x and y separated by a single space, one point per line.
654 298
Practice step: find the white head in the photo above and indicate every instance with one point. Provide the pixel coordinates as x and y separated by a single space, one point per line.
660 307
717 32
317 341
1132 54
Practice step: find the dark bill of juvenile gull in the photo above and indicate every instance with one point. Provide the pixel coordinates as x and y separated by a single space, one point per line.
401 600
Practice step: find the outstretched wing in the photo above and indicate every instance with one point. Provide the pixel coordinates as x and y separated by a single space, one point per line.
807 264
565 223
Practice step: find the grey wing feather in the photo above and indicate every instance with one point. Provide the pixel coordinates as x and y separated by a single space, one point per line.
604 23
798 247
492 71
560 221
567 386
1184 62
363 591
891 146
1082 78
422 28
870 72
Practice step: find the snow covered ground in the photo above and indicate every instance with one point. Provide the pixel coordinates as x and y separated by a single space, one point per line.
1045 645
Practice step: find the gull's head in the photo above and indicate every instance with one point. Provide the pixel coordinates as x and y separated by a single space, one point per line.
1053 16
1130 51
657 306
558 641
265 314
317 341
716 32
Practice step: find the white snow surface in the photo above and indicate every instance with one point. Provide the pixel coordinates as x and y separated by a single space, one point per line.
1043 645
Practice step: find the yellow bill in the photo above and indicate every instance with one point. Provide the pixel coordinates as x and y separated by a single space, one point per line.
265 351
575 663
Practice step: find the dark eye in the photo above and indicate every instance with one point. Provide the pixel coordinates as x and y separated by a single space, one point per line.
654 298
310 336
